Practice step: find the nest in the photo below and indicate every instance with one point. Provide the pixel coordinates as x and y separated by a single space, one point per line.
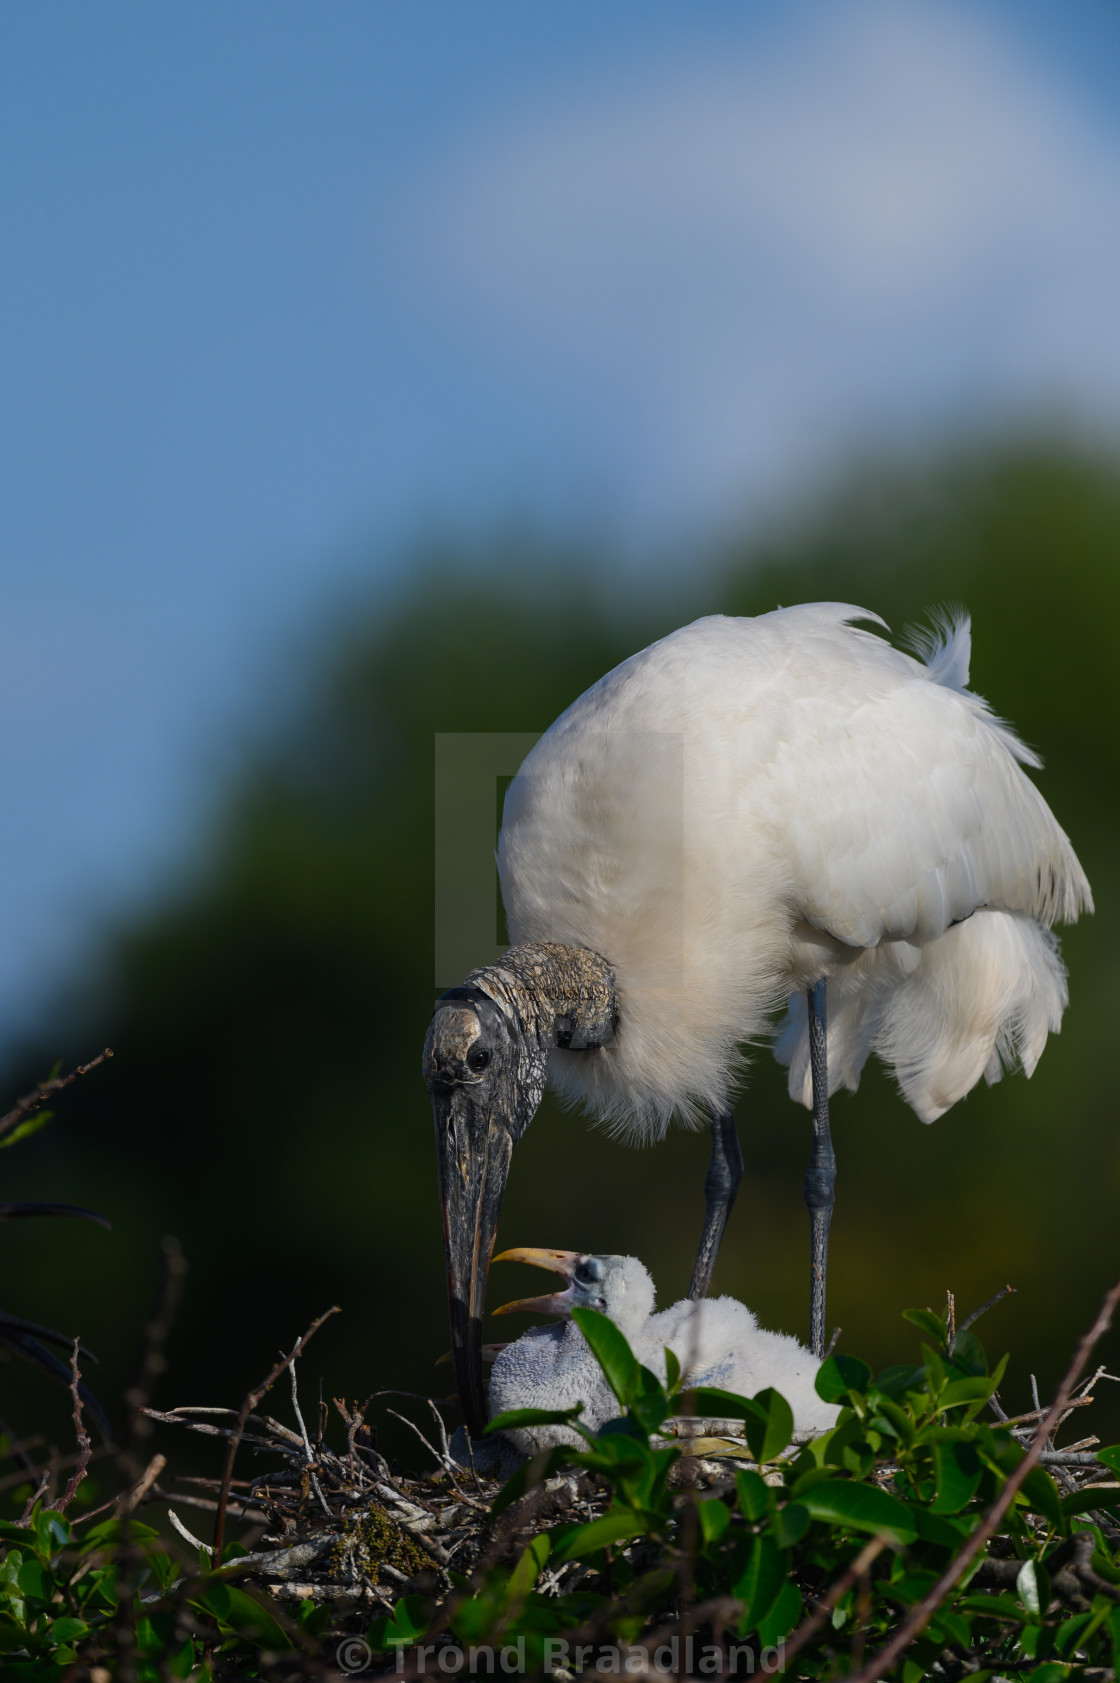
340 1526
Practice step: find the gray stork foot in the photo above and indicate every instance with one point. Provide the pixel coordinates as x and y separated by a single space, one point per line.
721 1183
820 1179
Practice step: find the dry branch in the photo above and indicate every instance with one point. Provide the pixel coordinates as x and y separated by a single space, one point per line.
44 1090
84 1446
247 1407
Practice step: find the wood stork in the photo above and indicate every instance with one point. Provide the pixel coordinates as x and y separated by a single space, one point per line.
716 1340
749 814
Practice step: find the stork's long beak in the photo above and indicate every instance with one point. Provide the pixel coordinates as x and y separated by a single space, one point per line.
559 1262
485 1082
473 1149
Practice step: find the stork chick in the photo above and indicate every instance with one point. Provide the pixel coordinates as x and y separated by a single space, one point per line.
717 1341
552 1366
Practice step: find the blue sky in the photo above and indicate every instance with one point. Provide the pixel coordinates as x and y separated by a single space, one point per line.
284 284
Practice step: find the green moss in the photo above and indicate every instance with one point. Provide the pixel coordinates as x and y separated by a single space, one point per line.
372 1539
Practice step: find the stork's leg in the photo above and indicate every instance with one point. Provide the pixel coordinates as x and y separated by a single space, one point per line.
721 1183
821 1177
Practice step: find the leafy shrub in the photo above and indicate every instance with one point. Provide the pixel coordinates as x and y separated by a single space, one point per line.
911 1465
804 1556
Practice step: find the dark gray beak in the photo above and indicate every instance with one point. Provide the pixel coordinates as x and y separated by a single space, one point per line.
473 1105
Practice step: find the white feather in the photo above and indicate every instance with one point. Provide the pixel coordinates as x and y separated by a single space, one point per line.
751 804
717 1341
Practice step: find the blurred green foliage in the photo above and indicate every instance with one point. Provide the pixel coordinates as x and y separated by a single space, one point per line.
265 1103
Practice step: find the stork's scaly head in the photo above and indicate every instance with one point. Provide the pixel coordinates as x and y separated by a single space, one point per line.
485 1061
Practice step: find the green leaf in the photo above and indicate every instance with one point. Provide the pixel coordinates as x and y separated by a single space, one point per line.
950 1626
932 1528
1110 1455
649 1401
23 1130
1042 1496
793 1522
672 1370
862 1507
888 1413
33 1579
754 1493
529 1567
936 1368
1033 1586
768 1436
761 1583
926 1321
993 1607
967 1351
233 1607
1071 1635
975 1389
714 1517
110 1531
617 1525
52 1532
726 1405
515 1417
957 1470
782 1617
893 1381
647 1489
611 1351
66 1630
622 1426
530 1474
841 1374
1083 1501
408 1623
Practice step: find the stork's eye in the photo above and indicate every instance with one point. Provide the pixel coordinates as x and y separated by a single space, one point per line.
478 1057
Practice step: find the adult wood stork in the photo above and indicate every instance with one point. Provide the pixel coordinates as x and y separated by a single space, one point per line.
748 814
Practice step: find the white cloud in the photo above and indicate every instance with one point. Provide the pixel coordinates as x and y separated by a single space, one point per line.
881 217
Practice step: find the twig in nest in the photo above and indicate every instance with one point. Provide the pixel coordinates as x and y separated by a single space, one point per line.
129 1500
80 1433
306 1439
247 1407
413 1427
1034 1414
188 1536
36 1495
361 1458
33 1101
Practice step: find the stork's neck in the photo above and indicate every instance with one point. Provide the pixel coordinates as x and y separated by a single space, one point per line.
556 995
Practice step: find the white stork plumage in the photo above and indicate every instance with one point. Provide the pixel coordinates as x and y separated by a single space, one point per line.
751 814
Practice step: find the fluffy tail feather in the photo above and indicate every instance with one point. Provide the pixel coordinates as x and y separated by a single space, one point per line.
981 998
